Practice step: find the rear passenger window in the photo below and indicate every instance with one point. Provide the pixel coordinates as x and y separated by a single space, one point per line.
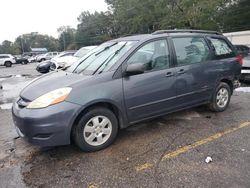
222 49
190 50
4 57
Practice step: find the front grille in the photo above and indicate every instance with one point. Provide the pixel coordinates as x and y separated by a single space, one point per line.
22 103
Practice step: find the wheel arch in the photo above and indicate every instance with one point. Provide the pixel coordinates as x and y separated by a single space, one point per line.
106 104
228 82
8 62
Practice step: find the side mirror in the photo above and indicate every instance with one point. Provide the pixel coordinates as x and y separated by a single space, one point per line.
136 68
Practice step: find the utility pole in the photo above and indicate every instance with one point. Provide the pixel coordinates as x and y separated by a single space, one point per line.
64 41
22 43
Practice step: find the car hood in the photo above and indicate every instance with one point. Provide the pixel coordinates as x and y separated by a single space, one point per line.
50 82
66 59
44 63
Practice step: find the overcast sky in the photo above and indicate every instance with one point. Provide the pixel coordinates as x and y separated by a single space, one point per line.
44 16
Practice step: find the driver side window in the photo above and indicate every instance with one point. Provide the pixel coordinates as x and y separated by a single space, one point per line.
154 56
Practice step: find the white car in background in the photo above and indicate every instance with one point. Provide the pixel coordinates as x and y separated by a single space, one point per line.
46 56
62 57
7 60
63 62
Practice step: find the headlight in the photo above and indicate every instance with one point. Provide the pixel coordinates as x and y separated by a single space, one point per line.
53 97
61 64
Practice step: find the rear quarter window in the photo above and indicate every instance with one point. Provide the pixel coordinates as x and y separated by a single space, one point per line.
221 48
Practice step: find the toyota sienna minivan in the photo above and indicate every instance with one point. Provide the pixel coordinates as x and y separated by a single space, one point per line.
125 81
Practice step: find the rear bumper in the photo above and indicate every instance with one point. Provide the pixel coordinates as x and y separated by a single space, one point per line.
245 74
49 126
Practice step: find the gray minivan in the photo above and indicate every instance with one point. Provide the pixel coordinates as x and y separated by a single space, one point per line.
125 81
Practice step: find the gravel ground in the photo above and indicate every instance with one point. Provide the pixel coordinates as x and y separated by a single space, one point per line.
166 152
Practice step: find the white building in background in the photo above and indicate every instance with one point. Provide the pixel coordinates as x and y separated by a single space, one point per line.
241 37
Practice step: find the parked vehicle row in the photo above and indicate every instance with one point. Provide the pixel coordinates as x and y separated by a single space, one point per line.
44 67
22 59
46 56
63 60
125 81
66 61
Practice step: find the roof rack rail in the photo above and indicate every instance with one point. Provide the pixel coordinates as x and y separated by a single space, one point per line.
185 31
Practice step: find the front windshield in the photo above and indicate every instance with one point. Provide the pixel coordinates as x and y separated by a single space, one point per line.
81 52
102 58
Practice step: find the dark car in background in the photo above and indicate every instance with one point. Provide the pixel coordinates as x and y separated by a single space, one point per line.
245 72
44 67
242 50
22 59
125 81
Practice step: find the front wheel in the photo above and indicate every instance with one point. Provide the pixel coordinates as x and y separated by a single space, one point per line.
221 98
8 64
96 130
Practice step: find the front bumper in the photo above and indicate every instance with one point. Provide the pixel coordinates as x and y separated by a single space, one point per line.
49 126
43 69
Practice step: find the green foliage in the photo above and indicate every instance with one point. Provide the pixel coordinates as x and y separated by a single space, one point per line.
94 28
35 40
8 47
25 42
145 16
66 38
236 16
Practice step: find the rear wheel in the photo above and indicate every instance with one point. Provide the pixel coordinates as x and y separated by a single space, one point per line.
221 98
96 130
8 64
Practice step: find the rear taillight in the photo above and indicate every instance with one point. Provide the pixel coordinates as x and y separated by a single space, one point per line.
240 59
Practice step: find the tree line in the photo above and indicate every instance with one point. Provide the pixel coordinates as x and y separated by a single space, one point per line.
127 17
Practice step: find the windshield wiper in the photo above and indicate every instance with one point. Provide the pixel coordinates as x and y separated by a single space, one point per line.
81 63
106 48
106 61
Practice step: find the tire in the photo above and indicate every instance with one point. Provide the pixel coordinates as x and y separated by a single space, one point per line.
89 133
8 64
221 98
42 60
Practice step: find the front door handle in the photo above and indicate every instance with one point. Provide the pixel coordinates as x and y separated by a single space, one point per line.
181 71
169 74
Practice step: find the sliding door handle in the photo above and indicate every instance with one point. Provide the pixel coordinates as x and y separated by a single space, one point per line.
169 74
181 71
